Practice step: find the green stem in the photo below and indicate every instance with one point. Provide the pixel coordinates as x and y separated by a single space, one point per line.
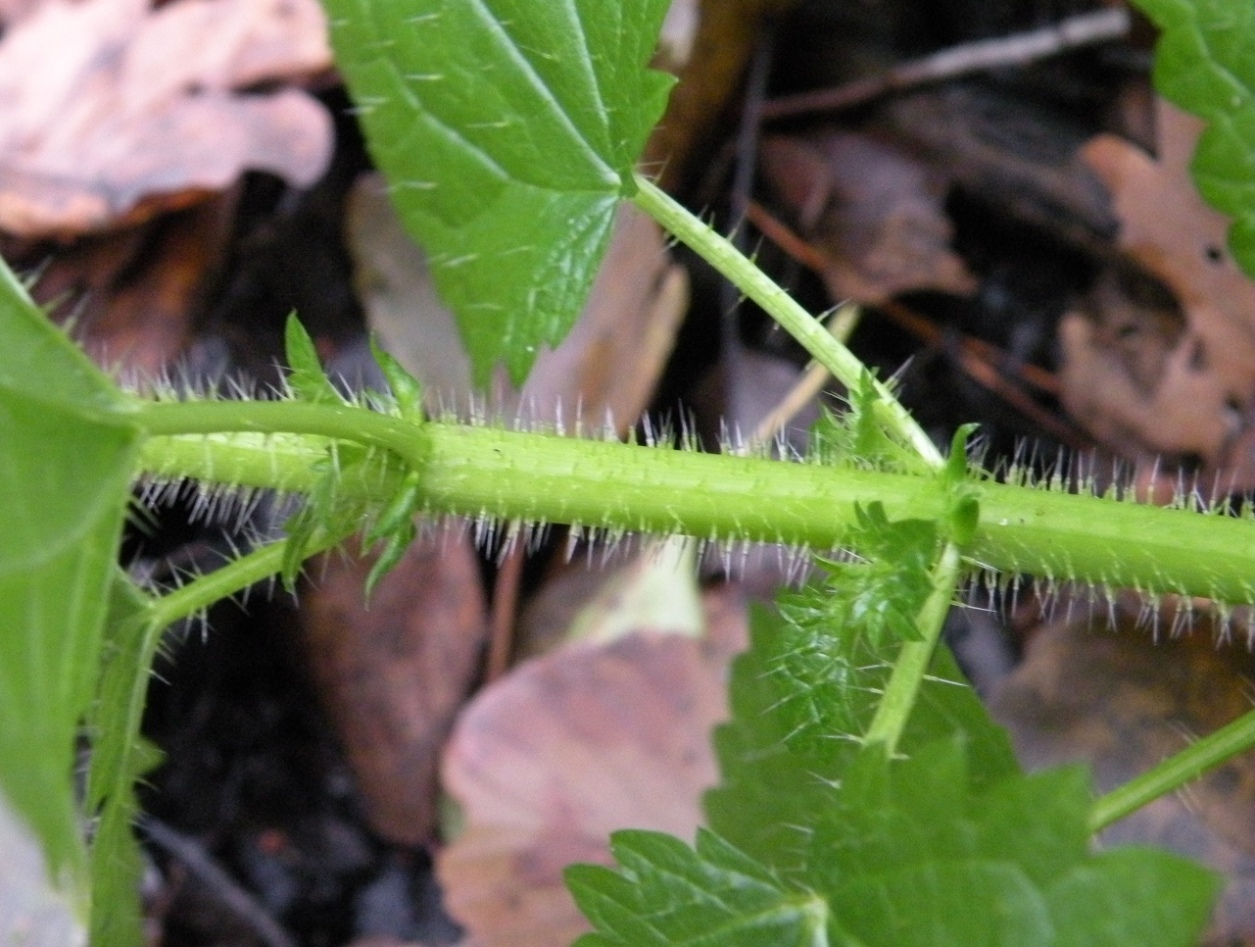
512 476
909 670
747 277
1174 772
343 422
234 577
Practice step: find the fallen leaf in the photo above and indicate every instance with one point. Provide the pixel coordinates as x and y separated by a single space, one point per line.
393 672
134 295
1150 376
569 747
1122 703
874 209
141 111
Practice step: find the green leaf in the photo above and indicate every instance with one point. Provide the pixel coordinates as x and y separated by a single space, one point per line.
714 896
948 842
1131 896
406 390
801 698
877 598
508 130
68 447
1205 63
119 757
914 852
306 377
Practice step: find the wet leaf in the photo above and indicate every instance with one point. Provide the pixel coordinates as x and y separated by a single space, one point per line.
393 675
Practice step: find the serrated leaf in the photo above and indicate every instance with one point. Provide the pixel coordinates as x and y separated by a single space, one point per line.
945 844
908 853
119 757
407 391
306 377
67 448
914 854
714 896
874 600
1205 62
801 697
508 131
1131 896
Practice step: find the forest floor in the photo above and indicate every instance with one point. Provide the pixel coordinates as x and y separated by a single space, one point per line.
995 184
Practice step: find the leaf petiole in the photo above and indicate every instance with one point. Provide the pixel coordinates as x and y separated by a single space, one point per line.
894 708
809 332
1176 771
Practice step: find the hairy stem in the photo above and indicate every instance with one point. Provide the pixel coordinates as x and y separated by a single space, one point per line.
896 703
1174 772
747 277
541 478
343 422
234 577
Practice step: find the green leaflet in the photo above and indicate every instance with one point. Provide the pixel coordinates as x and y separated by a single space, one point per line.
667 893
1205 62
824 841
508 130
119 757
65 471
801 697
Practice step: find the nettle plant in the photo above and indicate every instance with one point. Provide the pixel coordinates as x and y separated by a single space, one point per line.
866 797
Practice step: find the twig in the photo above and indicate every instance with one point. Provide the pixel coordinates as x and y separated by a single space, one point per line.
808 387
984 362
1085 29
225 889
505 600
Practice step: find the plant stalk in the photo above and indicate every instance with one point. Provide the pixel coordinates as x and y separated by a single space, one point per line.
232 578
1173 773
909 669
543 478
844 365
342 422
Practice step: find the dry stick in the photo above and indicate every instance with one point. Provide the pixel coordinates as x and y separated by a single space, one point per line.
808 386
505 601
229 893
981 360
1019 49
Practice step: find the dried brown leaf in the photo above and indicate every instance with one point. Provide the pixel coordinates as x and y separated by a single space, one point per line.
1152 376
393 673
134 294
876 211
569 747
114 111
